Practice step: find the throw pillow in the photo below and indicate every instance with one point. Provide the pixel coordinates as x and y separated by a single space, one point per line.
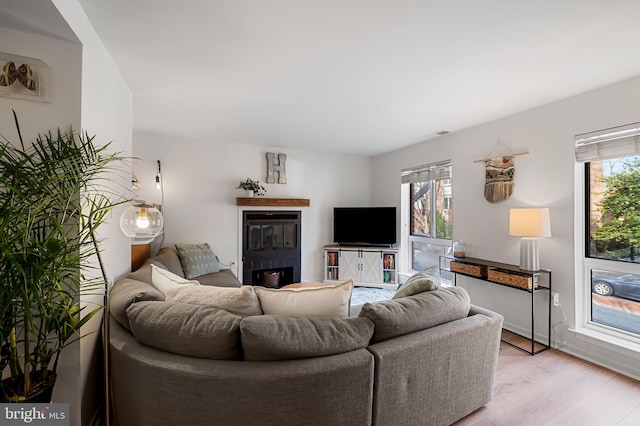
127 292
164 280
197 331
328 300
240 301
406 315
275 338
197 260
169 258
144 272
417 283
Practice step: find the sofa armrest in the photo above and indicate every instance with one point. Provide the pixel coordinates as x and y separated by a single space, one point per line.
438 375
477 310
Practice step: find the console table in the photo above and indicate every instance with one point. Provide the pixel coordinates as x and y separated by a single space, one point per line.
504 274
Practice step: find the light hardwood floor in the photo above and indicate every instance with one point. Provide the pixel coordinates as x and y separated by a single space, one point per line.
554 388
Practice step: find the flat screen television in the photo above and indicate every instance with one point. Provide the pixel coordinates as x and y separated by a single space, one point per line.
364 225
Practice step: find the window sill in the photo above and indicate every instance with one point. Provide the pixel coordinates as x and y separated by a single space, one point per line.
606 340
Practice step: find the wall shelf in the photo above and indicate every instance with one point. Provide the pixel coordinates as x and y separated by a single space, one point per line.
272 202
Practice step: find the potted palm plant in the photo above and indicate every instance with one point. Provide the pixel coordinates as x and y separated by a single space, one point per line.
47 189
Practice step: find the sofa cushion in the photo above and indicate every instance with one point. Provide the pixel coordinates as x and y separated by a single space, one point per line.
328 300
393 318
274 338
224 278
126 292
197 331
144 272
417 283
169 258
164 280
241 301
197 260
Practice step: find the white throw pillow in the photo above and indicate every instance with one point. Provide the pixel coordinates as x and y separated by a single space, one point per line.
325 301
164 280
237 300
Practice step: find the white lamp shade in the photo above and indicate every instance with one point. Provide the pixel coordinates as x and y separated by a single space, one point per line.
533 222
141 221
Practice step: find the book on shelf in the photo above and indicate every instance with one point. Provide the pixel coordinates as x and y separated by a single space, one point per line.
332 259
332 274
389 261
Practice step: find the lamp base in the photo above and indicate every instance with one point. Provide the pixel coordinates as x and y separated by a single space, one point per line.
529 258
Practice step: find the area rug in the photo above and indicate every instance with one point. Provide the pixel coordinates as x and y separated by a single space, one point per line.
362 295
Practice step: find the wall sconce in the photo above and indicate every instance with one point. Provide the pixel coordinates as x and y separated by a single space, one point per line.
158 174
135 183
529 224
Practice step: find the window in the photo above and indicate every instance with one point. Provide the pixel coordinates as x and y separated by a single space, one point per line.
612 229
430 212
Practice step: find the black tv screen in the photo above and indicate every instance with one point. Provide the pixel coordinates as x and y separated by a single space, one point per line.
364 225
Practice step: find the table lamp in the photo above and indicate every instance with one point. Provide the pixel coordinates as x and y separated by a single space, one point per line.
529 224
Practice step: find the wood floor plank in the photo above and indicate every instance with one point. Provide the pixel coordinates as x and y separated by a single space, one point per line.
555 388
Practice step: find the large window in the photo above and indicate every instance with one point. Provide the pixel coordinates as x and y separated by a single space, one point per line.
612 234
430 213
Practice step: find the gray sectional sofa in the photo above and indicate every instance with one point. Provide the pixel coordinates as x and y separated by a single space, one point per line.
426 359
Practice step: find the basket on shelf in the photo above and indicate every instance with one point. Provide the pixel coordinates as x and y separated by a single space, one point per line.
468 269
513 279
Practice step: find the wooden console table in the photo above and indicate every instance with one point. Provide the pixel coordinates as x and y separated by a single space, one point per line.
507 275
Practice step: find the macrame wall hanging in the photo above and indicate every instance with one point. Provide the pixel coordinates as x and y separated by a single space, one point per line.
499 175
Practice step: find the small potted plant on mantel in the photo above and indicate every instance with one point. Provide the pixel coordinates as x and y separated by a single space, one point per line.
252 187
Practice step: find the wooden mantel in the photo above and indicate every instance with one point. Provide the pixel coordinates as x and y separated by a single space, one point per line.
272 202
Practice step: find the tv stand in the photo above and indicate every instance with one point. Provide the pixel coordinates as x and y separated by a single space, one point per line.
367 266
363 246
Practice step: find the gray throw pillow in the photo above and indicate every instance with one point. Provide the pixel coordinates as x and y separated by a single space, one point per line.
197 260
197 331
417 283
127 292
144 272
241 301
223 278
274 338
169 258
406 315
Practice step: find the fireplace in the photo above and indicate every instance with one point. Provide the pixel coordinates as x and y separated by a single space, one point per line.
271 248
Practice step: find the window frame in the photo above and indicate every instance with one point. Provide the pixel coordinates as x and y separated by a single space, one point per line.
408 208
584 263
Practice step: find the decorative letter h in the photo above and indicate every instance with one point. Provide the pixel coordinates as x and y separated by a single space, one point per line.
280 168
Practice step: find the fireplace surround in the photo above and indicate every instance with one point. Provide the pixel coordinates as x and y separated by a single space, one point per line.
271 247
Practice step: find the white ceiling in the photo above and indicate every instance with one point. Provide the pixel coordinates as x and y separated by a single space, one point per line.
357 76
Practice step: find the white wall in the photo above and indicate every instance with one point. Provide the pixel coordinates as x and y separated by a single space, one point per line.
61 111
107 113
63 108
199 181
544 178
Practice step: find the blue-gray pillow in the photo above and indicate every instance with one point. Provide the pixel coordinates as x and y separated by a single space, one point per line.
197 260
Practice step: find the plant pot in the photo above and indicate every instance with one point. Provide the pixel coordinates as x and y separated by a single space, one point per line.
249 193
41 391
